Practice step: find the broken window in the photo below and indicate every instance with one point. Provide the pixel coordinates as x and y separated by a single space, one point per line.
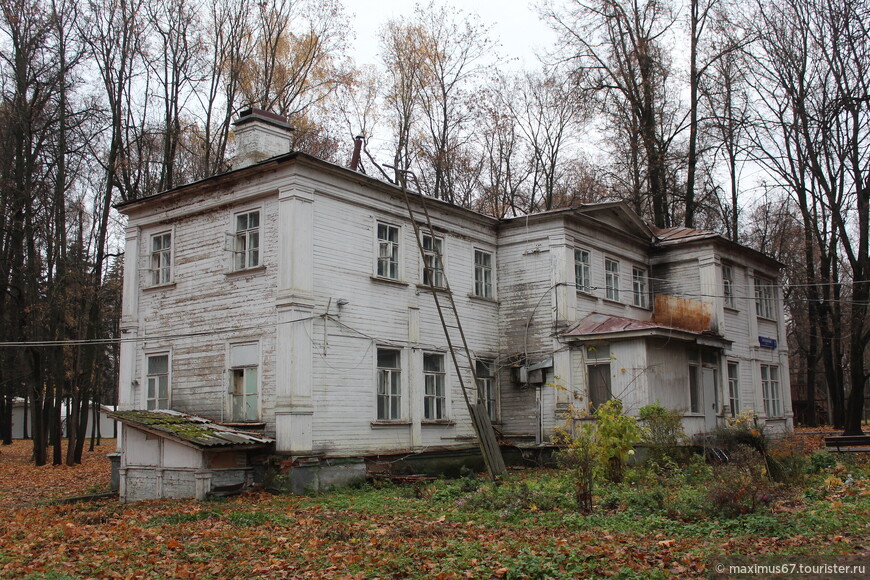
157 382
434 398
582 272
244 381
161 259
433 252
611 279
486 387
247 240
389 396
388 251
482 274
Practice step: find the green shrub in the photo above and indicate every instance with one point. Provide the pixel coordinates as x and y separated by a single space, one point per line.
820 461
663 434
616 434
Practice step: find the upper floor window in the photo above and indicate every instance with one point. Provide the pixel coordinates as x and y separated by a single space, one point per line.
733 388
161 259
764 298
486 393
728 285
582 272
770 390
640 287
482 274
433 254
389 379
247 240
388 251
434 397
244 381
157 382
611 279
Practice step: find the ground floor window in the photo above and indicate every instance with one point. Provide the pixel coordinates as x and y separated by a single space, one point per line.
244 381
389 379
434 398
599 384
770 390
486 387
733 388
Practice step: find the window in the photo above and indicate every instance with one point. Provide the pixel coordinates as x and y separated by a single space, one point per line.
639 286
482 274
434 399
770 390
733 388
764 298
582 279
161 259
244 366
433 253
388 251
728 286
611 271
598 373
486 394
389 385
246 247
157 382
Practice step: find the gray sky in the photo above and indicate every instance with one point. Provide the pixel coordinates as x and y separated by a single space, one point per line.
515 25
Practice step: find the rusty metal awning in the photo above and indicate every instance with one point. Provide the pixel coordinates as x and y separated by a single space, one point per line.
597 326
191 429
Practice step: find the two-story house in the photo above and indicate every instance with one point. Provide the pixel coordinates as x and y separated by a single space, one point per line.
289 296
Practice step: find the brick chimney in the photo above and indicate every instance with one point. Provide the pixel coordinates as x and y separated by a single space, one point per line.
260 135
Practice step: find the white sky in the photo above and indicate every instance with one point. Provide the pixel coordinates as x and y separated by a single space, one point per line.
515 26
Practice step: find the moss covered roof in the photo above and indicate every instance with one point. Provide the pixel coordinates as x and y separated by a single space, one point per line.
190 428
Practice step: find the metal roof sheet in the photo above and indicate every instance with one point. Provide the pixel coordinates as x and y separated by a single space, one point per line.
193 429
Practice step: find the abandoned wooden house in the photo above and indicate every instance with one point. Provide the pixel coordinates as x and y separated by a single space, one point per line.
288 296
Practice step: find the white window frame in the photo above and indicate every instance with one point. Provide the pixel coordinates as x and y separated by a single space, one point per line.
383 262
764 299
640 287
770 390
487 386
583 269
611 279
245 255
392 396
161 271
733 370
728 286
154 402
245 367
433 261
484 275
435 388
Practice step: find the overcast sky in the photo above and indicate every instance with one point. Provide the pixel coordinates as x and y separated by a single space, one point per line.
515 26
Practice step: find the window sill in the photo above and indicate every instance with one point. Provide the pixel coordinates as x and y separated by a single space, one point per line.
760 317
426 287
167 286
392 281
612 301
380 424
731 309
245 272
586 293
483 298
438 423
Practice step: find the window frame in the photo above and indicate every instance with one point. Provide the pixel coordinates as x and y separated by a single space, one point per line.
435 388
733 386
393 400
148 377
487 385
156 274
597 358
484 275
583 270
641 295
395 259
611 279
435 253
728 287
241 260
245 367
764 299
771 391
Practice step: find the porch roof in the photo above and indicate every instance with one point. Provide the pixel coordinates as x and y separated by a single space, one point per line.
191 429
597 326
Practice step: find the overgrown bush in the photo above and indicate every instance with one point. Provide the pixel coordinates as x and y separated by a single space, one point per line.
786 461
663 435
616 434
580 454
744 429
820 461
740 486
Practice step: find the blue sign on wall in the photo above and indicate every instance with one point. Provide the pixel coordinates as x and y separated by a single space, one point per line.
767 342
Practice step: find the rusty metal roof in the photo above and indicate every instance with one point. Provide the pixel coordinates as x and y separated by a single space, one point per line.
605 326
190 429
682 234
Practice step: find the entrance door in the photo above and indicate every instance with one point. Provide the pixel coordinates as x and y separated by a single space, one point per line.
708 379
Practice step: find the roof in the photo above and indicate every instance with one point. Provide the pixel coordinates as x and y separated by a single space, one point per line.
679 235
597 326
190 429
